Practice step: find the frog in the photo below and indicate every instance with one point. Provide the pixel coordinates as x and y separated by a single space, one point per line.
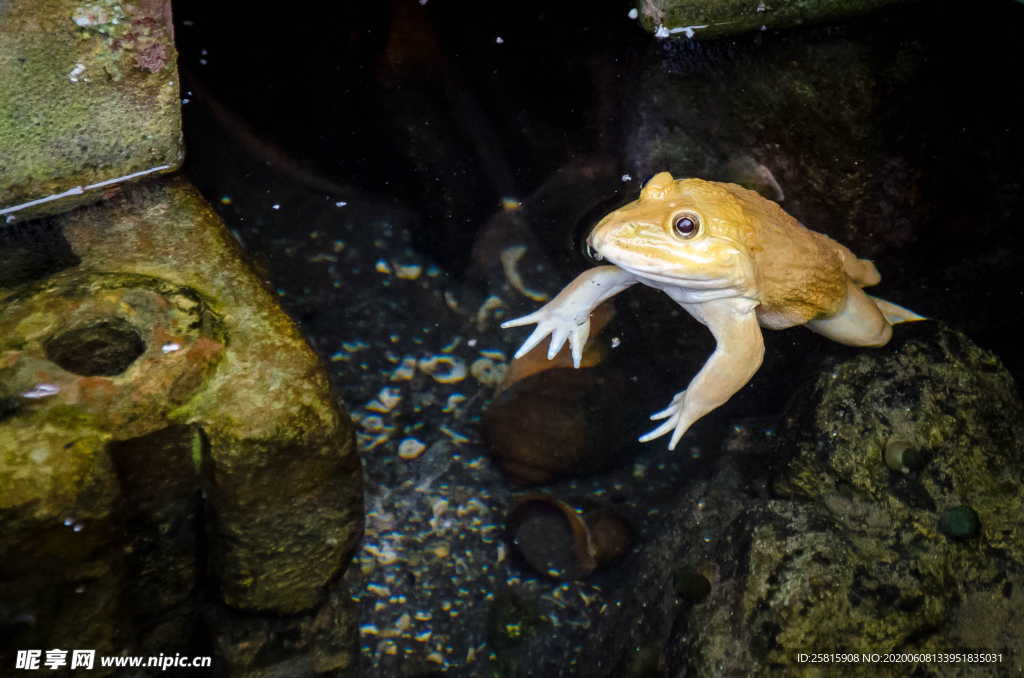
735 261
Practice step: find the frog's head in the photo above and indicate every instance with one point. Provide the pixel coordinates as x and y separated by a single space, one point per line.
678 232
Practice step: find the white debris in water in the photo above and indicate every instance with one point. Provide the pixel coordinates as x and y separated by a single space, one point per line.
378 590
76 73
408 272
493 354
373 424
633 13
385 555
410 448
761 7
340 203
487 371
491 303
385 401
276 206
452 402
457 438
626 177
510 257
170 347
369 441
405 371
499 40
445 369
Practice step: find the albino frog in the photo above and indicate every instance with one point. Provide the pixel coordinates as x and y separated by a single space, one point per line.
736 262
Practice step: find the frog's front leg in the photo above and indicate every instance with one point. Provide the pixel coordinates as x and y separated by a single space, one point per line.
567 316
738 354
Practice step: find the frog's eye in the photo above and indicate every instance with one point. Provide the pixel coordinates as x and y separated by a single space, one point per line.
686 225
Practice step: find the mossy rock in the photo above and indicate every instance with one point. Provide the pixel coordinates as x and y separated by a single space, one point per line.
90 99
167 436
703 19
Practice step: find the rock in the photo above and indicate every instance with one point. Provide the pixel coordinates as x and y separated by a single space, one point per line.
851 556
156 386
701 19
745 114
943 394
813 541
90 100
561 542
557 423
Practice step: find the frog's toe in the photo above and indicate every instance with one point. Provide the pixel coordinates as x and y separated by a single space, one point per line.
538 335
660 431
681 428
558 337
894 313
527 319
671 409
577 340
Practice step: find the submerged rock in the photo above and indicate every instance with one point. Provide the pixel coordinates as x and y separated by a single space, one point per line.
169 438
814 541
936 390
716 18
557 423
90 100
560 541
773 116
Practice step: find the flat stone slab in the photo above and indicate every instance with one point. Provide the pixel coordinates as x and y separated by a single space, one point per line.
89 100
717 18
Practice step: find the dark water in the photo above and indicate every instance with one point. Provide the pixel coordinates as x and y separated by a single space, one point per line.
349 145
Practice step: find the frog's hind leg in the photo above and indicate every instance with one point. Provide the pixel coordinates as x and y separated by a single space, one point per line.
862 320
861 271
859 322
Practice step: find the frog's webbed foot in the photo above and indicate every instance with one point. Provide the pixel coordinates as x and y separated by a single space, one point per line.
675 422
559 326
567 316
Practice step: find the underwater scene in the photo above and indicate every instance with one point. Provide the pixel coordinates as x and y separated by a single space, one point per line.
418 338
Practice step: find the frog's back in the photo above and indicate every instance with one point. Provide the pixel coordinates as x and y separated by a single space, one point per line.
800 274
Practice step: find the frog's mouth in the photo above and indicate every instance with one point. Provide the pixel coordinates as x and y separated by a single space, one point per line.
654 268
689 281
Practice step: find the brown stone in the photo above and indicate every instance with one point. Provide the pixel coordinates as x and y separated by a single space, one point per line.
161 419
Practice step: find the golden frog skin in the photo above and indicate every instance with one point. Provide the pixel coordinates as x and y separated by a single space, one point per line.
736 262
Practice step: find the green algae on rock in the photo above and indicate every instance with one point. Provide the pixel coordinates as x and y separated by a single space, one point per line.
193 413
89 101
812 540
876 534
716 18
